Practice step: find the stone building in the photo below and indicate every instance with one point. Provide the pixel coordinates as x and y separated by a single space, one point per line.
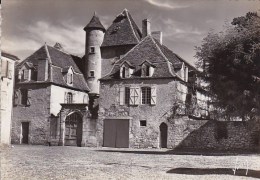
6 92
50 100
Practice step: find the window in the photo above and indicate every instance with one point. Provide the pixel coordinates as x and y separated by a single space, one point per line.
147 70
92 49
69 78
142 122
127 95
221 131
123 72
69 98
146 95
24 97
92 73
25 74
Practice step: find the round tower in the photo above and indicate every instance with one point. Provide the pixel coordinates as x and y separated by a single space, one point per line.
92 65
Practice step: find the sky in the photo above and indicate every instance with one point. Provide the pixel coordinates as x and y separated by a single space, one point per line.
28 24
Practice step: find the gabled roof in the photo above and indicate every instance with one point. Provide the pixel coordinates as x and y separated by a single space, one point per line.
58 60
8 55
94 24
123 31
146 50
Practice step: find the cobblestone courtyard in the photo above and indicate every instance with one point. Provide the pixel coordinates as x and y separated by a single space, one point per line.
43 162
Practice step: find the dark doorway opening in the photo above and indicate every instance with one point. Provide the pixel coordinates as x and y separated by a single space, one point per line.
163 135
73 130
25 132
116 133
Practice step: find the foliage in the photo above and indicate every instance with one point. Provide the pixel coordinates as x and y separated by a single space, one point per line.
231 66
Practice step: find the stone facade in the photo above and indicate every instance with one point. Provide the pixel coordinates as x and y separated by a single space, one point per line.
36 113
154 115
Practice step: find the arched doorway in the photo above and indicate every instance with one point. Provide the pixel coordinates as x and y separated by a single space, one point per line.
163 135
73 129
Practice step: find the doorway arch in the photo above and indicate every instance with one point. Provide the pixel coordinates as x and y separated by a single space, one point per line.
163 135
73 129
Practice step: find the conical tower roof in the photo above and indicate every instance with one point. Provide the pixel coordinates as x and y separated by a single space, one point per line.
94 24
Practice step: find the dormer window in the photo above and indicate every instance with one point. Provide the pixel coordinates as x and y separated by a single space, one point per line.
92 50
147 70
126 70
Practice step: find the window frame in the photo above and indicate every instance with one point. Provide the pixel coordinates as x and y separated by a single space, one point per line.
146 95
92 50
69 98
91 71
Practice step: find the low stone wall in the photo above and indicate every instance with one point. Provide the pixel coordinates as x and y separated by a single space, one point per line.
185 133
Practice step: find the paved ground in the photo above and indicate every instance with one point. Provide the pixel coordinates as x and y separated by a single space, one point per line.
43 162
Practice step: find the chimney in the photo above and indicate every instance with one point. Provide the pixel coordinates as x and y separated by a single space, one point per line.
158 36
42 69
146 28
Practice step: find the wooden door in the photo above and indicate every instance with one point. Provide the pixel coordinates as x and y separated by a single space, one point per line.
116 133
163 135
73 130
25 132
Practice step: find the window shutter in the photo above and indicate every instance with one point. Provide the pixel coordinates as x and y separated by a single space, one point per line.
28 98
121 95
4 68
65 97
132 97
73 98
137 95
153 95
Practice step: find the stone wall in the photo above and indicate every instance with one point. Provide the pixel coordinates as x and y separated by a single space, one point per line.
185 133
37 114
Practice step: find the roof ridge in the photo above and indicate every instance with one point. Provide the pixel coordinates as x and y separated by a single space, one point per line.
128 18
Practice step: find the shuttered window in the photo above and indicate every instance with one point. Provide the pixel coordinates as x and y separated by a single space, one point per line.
69 98
146 95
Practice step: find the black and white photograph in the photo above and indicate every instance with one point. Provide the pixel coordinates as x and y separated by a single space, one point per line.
130 89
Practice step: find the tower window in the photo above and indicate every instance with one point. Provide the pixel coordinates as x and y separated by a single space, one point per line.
92 49
92 73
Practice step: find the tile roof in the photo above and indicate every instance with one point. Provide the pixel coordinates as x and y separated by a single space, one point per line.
123 31
94 24
59 60
146 50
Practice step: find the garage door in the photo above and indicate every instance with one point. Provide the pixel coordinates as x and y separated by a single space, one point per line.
116 133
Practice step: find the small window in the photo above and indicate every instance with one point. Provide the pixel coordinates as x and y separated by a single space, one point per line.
92 73
24 97
127 95
221 131
146 95
25 74
143 123
69 78
69 98
147 73
92 49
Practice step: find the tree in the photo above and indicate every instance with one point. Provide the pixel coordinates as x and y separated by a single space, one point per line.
231 66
